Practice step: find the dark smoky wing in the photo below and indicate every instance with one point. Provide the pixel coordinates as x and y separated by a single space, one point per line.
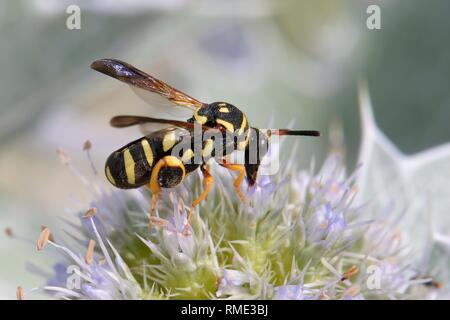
127 121
131 75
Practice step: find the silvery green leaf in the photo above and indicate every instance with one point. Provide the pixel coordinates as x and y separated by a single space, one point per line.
416 185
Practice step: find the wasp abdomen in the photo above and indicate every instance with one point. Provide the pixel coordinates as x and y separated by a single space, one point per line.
131 166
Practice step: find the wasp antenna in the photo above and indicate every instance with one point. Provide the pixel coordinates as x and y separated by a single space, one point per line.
287 132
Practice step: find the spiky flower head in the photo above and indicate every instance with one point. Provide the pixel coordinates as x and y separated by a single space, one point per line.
299 236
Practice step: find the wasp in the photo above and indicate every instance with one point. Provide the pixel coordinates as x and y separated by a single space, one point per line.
164 158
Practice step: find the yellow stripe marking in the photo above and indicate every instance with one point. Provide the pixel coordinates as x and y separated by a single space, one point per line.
169 140
243 144
243 124
129 166
224 110
209 144
226 124
199 118
109 176
187 155
147 151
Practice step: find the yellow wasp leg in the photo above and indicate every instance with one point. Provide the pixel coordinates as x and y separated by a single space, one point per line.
237 183
155 195
152 209
154 186
207 183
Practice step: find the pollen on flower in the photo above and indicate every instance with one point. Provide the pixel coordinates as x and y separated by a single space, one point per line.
50 237
353 270
158 222
43 238
9 232
301 239
63 157
334 188
90 213
20 293
87 145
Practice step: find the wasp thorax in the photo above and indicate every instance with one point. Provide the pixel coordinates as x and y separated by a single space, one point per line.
220 114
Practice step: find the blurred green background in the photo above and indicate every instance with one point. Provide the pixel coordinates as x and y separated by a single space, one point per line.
286 59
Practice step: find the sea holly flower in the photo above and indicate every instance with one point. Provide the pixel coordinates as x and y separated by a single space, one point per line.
249 256
289 292
302 235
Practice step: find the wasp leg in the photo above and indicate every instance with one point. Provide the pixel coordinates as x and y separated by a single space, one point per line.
237 183
155 197
207 183
167 173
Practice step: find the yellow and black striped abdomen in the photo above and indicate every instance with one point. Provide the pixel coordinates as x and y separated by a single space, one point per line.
131 166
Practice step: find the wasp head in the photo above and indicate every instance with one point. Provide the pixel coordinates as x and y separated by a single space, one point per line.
257 148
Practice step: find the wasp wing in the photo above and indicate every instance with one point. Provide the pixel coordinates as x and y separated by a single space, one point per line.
127 121
147 87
